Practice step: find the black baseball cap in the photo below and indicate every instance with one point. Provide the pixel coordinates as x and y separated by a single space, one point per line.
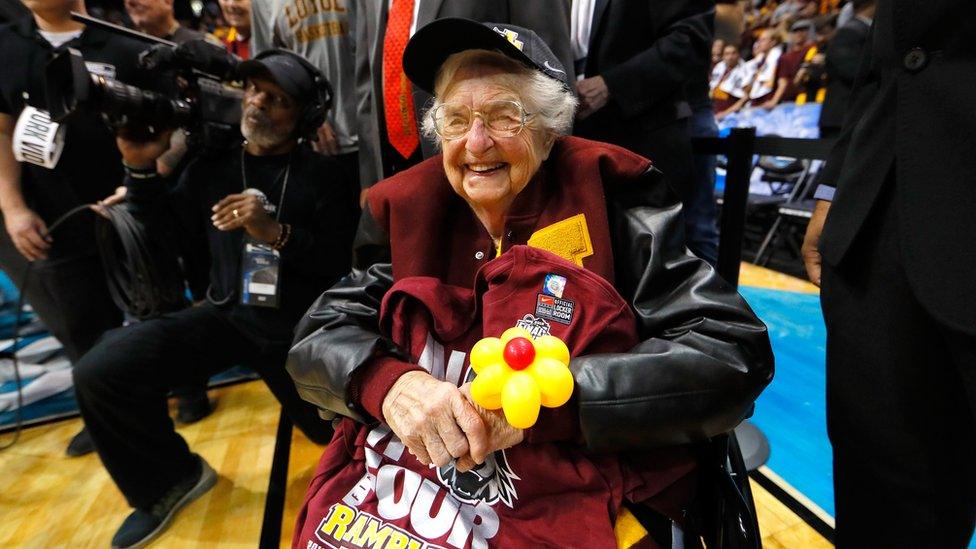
432 44
285 68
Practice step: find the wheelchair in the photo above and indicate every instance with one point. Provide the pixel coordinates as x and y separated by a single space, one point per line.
722 514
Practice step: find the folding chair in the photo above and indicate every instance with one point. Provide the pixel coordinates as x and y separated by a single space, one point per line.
799 197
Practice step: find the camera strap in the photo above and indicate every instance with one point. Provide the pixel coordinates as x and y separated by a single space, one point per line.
260 263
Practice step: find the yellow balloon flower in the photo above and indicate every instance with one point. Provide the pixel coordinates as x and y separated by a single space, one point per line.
519 375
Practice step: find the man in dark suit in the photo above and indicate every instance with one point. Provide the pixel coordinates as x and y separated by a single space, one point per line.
378 157
897 263
843 54
635 58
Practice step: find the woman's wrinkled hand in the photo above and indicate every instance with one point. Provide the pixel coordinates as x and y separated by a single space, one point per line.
501 434
434 420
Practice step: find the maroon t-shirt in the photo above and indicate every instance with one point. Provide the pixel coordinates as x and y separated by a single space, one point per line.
788 65
369 490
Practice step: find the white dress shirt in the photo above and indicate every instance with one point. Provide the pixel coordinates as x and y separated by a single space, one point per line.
581 21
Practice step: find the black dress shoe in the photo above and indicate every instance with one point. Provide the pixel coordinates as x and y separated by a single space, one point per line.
192 408
144 525
80 444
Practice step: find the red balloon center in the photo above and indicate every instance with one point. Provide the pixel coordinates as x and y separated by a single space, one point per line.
519 353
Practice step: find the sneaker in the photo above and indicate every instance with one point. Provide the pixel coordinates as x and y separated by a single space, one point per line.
192 408
144 525
80 444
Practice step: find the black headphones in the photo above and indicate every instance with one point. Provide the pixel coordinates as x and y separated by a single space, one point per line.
315 109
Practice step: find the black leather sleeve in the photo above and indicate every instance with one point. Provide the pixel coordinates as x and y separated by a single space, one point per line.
339 333
704 355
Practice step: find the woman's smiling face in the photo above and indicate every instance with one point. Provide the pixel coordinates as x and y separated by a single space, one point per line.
485 169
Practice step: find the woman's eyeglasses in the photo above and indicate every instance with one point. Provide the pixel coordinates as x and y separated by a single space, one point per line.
502 118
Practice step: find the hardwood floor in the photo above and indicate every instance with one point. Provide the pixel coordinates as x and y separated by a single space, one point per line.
47 499
760 277
780 527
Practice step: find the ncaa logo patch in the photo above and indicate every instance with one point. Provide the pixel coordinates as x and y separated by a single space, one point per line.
554 285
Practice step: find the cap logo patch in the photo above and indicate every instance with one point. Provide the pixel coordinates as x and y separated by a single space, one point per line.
511 36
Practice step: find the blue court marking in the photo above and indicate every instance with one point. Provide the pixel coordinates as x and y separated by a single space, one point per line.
791 411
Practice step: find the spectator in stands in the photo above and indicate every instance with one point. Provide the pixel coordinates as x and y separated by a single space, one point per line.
760 71
237 36
729 82
800 49
811 80
279 221
843 56
718 46
634 63
68 288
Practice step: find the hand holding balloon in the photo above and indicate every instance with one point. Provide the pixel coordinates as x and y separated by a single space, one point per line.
519 375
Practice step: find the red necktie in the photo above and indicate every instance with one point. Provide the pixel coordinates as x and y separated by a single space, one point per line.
401 127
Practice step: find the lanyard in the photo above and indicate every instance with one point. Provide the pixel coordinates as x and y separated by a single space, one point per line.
286 171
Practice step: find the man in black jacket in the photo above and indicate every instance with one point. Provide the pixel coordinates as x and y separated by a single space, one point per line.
279 221
898 265
635 59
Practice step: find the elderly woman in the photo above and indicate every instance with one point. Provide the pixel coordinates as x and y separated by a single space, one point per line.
516 225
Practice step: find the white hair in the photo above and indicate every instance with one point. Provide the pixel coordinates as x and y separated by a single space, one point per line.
552 103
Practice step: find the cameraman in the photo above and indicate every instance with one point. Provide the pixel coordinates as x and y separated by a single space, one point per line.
67 289
269 261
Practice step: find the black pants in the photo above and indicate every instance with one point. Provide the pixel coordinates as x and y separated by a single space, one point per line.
121 385
70 295
901 402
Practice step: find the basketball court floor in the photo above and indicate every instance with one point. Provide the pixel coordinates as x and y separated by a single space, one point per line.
47 499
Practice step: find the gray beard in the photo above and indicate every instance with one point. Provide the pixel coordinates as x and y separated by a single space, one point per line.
262 135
